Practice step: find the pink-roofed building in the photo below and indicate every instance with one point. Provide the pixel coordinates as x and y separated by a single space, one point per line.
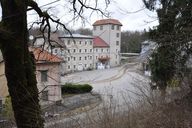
84 52
48 70
101 53
48 74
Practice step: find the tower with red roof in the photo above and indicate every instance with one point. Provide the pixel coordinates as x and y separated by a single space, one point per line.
109 32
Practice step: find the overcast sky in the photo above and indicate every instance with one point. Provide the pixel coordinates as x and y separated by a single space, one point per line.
123 10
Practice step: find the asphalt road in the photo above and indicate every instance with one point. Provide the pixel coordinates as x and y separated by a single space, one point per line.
112 83
118 86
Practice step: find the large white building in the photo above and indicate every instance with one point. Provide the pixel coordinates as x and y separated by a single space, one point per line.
83 52
110 31
79 55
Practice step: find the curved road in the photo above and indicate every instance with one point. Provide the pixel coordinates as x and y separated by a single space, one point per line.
117 86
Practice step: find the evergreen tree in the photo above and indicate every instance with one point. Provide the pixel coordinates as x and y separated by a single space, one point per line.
173 35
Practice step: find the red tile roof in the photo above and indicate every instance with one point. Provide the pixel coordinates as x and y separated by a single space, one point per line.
44 56
107 21
98 42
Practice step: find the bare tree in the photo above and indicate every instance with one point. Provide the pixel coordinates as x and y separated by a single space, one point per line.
19 67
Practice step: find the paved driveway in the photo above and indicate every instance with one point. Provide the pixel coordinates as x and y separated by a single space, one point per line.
113 83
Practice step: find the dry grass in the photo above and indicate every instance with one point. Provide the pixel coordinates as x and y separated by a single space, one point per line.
146 111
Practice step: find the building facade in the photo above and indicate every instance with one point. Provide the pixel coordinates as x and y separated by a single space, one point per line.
110 31
84 52
79 55
101 53
48 75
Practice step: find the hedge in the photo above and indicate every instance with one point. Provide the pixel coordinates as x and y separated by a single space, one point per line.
76 88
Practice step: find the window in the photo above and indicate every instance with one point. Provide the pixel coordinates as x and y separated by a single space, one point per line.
62 53
74 66
96 57
95 28
74 50
68 42
79 58
90 42
116 56
90 57
55 50
68 58
44 95
101 27
85 50
44 76
117 35
85 42
112 27
96 50
85 58
79 50
101 50
85 65
118 27
117 42
74 58
107 50
80 42
68 50
69 66
90 50
74 42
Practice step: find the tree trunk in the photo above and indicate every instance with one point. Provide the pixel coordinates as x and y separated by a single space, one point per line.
19 70
162 88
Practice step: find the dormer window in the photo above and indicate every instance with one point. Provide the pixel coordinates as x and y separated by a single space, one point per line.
112 27
74 42
55 50
118 27
117 42
117 35
68 42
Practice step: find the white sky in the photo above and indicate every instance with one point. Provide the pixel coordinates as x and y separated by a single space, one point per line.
131 21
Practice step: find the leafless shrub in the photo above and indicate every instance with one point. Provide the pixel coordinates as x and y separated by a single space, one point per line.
141 108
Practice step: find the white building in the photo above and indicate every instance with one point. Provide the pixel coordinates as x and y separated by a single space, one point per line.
83 52
110 31
79 55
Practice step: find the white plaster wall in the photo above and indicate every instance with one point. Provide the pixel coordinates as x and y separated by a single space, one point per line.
3 83
53 83
86 53
110 37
